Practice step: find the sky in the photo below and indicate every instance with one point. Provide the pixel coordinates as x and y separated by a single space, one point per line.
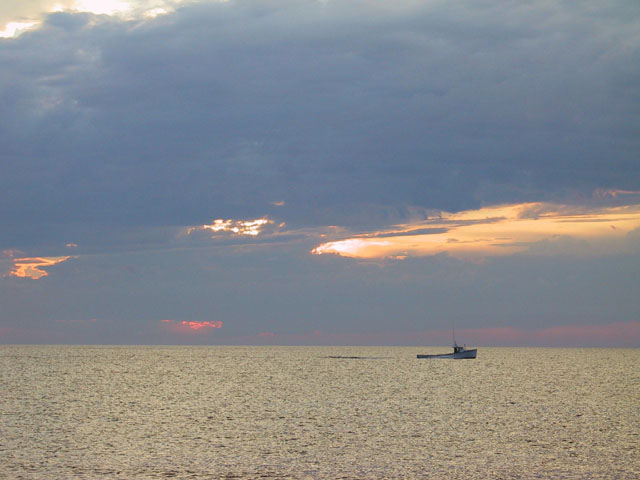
320 172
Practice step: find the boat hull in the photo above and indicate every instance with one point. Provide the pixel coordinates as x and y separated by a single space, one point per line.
464 354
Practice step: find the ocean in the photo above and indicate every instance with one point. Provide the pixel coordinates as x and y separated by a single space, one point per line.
294 412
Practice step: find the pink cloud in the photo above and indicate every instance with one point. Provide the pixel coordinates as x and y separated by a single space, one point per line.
184 326
199 325
621 334
614 192
613 334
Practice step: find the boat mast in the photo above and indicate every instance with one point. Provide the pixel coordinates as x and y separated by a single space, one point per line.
453 333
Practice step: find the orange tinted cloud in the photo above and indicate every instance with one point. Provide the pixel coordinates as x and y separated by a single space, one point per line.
237 227
193 326
492 231
31 267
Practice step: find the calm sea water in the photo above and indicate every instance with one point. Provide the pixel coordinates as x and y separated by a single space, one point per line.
289 412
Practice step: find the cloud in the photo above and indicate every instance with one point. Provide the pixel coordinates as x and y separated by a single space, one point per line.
14 28
350 113
120 132
618 334
31 267
237 227
19 15
184 326
614 193
496 231
102 7
613 334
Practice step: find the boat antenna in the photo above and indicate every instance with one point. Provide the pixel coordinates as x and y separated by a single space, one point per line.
453 333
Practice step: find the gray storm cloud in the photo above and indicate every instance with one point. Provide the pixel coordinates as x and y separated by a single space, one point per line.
350 112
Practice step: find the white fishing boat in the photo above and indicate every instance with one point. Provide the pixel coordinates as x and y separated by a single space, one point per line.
458 352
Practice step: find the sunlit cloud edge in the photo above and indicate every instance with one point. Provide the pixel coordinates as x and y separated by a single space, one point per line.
125 9
32 267
535 227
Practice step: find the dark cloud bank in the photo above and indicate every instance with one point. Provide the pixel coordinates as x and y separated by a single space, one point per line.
348 111
115 135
